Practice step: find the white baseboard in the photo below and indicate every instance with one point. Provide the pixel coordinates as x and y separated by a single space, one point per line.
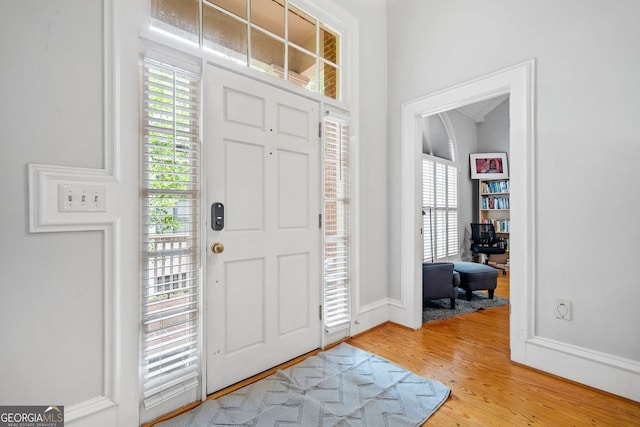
371 315
99 411
603 371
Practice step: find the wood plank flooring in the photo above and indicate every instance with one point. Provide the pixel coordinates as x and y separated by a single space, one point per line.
470 354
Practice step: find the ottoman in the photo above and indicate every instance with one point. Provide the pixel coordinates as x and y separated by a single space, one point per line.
475 277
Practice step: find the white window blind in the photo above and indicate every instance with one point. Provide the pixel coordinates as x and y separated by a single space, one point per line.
337 225
170 224
439 209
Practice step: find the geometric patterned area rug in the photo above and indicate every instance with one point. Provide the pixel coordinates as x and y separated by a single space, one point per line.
439 309
343 386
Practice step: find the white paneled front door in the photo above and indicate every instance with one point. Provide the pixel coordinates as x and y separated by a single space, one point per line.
262 288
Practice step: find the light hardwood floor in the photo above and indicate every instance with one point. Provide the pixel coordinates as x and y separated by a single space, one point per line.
470 354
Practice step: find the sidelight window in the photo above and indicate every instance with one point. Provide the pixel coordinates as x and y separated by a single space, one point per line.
170 231
337 224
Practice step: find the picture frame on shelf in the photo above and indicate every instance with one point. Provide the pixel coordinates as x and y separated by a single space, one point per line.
489 165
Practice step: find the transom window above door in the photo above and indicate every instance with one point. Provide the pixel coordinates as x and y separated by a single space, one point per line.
272 36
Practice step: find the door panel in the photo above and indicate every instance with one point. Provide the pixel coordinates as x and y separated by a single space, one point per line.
245 190
293 299
263 291
292 122
244 109
293 185
244 310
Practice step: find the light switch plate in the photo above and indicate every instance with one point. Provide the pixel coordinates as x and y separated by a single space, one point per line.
81 198
63 198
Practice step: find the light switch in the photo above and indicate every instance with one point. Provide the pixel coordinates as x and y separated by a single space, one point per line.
82 198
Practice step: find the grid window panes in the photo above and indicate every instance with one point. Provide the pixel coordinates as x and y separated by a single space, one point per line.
272 36
267 53
302 29
176 17
224 34
439 209
269 15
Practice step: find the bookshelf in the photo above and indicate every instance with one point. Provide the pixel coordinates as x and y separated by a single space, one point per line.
494 208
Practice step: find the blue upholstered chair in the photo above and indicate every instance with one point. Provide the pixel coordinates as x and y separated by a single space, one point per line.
439 280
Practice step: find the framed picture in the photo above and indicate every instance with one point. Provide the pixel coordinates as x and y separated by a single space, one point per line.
489 166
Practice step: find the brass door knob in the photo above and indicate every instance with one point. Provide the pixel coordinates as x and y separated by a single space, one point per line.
217 248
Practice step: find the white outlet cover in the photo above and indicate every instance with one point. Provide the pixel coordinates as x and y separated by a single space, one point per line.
563 309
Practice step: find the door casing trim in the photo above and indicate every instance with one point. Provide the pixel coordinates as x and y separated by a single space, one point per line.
518 82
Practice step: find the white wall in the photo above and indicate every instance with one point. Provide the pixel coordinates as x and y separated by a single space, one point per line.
587 95
67 295
493 132
51 283
372 143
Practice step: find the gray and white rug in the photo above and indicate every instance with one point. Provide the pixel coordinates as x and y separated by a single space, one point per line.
439 309
343 386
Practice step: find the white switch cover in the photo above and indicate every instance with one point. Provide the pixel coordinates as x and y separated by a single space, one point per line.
63 198
82 198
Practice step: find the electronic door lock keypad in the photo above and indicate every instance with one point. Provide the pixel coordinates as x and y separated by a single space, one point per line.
217 216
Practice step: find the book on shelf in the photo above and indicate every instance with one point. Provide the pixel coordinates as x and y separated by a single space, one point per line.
500 225
499 186
492 202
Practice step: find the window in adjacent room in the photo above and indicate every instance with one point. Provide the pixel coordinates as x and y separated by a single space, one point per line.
272 36
439 193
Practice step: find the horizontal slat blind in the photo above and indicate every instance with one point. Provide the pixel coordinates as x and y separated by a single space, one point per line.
428 218
337 225
452 210
440 209
171 242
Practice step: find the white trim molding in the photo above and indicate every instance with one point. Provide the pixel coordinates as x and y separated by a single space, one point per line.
45 183
372 315
604 371
517 82
480 111
47 214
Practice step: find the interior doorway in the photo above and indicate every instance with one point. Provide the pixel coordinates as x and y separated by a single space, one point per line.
517 83
451 196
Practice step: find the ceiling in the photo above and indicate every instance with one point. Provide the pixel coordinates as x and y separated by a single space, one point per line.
480 110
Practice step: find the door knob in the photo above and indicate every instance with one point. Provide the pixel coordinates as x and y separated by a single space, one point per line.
217 248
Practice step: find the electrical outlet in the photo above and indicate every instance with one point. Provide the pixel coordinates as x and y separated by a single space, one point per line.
564 310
